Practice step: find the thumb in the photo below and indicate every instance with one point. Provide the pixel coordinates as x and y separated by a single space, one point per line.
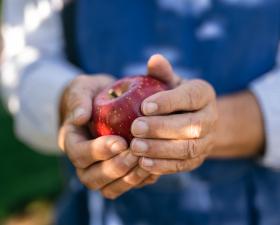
78 98
159 67
79 109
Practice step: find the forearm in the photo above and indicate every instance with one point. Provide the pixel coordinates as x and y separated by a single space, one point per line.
240 128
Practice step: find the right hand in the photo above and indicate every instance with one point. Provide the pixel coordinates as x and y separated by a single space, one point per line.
104 163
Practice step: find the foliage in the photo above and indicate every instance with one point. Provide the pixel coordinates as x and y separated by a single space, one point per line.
24 174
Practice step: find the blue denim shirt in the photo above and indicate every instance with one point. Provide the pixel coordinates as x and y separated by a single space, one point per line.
226 42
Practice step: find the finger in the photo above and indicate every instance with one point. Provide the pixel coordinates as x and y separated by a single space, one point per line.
100 174
132 179
160 68
79 97
164 166
148 181
83 152
177 127
174 149
190 96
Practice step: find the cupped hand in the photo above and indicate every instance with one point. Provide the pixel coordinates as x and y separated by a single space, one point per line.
105 163
177 132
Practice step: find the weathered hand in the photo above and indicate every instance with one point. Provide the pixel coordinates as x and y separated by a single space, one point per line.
176 133
103 163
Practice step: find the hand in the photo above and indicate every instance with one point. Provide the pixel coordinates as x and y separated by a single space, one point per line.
103 163
177 132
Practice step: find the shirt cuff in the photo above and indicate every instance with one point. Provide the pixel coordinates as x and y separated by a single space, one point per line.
39 96
267 92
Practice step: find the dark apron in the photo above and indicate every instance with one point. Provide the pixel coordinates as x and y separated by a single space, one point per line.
229 44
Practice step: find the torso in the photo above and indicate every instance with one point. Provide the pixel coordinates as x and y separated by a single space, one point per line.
228 43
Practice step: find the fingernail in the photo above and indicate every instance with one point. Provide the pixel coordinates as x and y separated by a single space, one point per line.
146 162
139 146
130 159
150 107
140 127
117 147
78 113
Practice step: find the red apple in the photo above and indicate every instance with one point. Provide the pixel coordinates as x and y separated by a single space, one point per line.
116 107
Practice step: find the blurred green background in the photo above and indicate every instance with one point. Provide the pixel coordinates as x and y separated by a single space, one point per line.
25 175
27 178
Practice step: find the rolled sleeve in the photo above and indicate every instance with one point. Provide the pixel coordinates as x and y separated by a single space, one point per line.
36 123
267 92
34 70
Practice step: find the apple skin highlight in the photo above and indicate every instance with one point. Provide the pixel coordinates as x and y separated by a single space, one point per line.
115 108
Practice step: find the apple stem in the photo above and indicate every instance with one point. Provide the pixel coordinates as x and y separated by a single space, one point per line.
113 93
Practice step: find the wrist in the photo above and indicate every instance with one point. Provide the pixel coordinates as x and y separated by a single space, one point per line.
240 128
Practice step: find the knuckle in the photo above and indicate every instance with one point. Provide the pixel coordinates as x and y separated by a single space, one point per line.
85 180
91 182
153 179
185 149
160 125
120 169
201 84
94 184
193 127
211 91
81 79
168 102
193 148
196 162
108 194
197 121
190 100
134 178
180 166
193 94
77 159
188 96
74 98
131 180
79 162
75 83
121 164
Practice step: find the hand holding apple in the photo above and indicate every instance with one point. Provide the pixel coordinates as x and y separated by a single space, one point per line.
91 156
104 163
171 142
116 107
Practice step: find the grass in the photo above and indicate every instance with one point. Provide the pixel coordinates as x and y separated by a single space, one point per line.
24 174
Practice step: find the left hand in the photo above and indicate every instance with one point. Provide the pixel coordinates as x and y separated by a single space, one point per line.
177 132
104 163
